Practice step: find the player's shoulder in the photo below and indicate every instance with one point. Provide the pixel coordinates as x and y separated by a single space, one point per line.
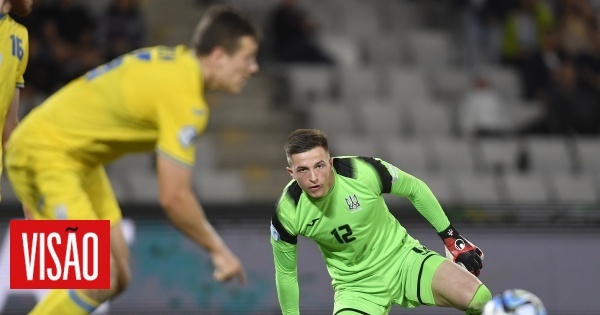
365 169
176 54
355 166
290 197
13 26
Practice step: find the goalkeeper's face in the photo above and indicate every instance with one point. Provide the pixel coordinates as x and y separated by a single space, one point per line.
313 171
236 68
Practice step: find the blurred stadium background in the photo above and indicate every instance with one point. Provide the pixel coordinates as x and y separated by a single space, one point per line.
494 104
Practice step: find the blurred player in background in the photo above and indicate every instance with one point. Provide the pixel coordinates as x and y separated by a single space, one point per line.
338 202
149 99
14 52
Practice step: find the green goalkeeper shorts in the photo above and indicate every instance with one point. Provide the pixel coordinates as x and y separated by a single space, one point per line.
408 275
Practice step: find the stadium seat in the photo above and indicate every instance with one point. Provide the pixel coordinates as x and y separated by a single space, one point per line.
381 118
410 154
498 154
348 144
588 153
453 155
8 194
359 82
333 118
206 153
479 189
505 80
404 84
220 187
324 13
384 51
344 49
309 83
399 17
429 117
365 26
522 112
575 189
526 189
549 154
134 178
429 49
450 83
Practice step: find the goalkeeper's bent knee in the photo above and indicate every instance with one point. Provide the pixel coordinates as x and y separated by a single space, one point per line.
482 296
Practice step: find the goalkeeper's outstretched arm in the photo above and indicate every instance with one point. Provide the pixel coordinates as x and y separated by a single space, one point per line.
458 249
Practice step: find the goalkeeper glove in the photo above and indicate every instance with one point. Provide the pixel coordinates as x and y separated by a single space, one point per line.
461 251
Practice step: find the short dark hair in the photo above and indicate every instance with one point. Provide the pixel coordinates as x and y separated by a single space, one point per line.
303 140
223 26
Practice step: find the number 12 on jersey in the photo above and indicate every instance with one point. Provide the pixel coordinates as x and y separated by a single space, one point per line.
343 234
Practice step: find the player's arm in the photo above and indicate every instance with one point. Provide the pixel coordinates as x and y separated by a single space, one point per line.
286 271
185 212
12 118
458 249
419 194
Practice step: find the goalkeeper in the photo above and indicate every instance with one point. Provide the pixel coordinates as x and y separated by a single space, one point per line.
374 263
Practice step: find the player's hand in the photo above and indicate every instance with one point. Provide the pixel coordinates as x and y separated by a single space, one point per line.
227 266
461 251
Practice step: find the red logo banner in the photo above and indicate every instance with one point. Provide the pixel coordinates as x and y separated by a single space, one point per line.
59 254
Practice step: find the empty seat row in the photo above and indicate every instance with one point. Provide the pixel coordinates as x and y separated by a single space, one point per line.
512 189
443 154
420 116
309 83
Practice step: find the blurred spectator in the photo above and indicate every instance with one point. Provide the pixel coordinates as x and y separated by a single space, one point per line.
576 20
570 108
522 30
74 44
482 27
122 28
42 68
482 112
588 64
293 32
62 44
73 22
538 68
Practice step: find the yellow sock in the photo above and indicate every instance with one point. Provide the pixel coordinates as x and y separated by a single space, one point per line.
71 302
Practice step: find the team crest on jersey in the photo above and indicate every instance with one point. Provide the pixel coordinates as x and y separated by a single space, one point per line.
274 234
353 203
187 136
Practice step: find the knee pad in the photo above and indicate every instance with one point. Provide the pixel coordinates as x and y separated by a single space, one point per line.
481 297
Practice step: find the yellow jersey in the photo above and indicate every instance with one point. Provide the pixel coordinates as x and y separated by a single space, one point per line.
14 53
151 98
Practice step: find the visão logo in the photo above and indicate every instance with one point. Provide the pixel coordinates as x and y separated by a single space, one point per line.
59 254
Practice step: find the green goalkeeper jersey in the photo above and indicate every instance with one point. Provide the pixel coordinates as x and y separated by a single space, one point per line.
351 224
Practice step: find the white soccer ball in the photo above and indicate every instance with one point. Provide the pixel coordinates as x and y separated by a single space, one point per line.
515 302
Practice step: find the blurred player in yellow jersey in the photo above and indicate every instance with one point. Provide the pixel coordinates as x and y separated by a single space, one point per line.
14 52
149 99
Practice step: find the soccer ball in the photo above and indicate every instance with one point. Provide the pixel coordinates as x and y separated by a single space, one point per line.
515 302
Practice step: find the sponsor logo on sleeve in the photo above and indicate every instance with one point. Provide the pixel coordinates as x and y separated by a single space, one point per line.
274 234
187 136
